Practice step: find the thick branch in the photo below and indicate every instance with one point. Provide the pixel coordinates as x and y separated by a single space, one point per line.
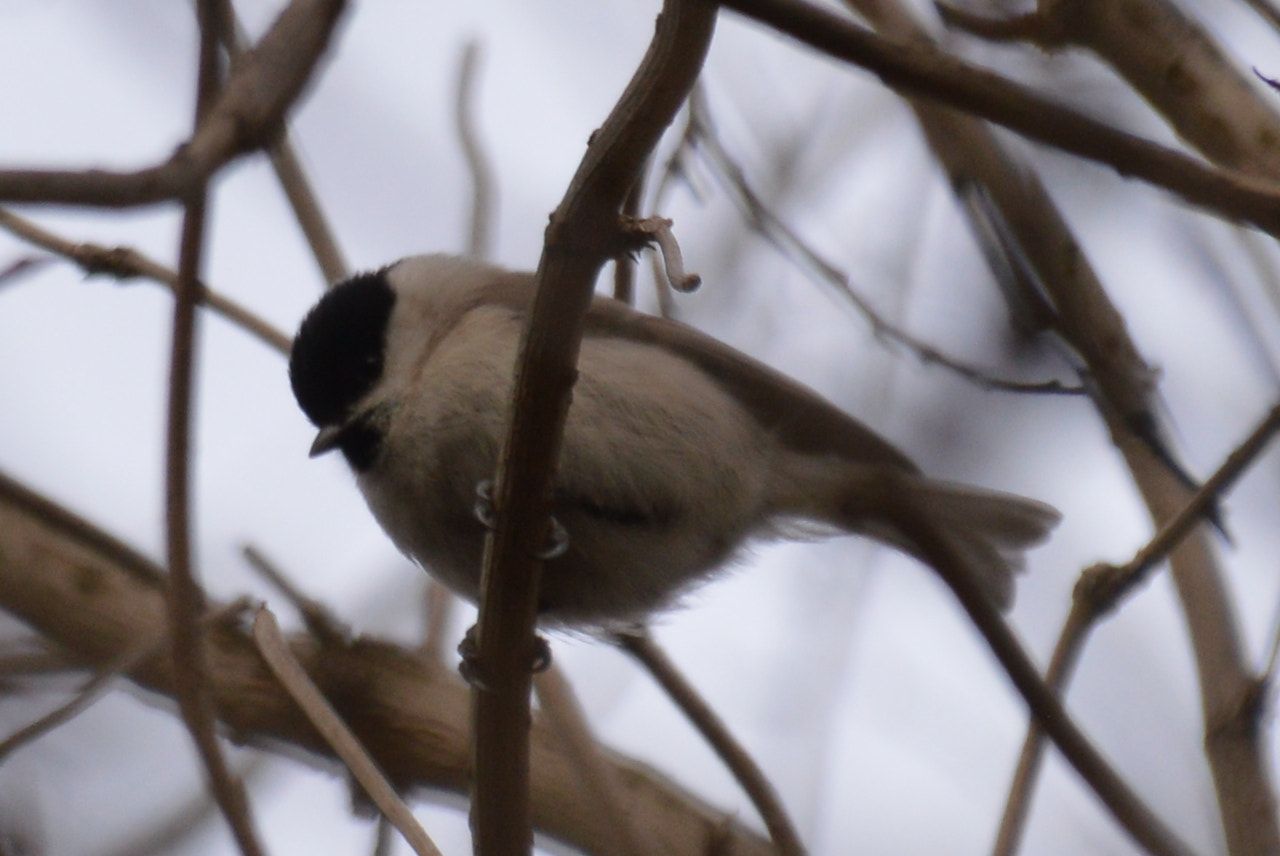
1170 61
96 599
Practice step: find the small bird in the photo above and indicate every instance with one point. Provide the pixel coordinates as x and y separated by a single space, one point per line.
678 449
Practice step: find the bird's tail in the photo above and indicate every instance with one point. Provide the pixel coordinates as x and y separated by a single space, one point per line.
990 531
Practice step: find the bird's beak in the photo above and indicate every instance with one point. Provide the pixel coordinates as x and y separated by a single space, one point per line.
326 440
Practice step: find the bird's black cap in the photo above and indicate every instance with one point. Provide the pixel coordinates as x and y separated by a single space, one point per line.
338 354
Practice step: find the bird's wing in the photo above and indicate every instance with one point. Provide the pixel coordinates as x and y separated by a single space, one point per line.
803 420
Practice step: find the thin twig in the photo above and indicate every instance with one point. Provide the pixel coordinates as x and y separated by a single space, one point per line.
716 733
480 232
125 263
274 649
317 617
1099 591
702 137
186 602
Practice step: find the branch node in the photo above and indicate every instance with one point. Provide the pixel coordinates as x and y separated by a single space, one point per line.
657 230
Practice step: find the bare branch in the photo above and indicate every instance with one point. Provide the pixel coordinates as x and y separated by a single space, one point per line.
76 587
186 600
716 733
583 233
125 263
248 116
275 651
919 70
480 234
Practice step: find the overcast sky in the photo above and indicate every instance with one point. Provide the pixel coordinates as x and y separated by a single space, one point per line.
847 670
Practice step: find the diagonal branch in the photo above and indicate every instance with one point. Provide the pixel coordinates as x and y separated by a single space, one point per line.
919 70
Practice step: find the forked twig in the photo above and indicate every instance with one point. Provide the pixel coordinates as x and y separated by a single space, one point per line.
1097 594
246 117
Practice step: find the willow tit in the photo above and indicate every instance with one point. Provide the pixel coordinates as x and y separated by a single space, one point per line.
678 449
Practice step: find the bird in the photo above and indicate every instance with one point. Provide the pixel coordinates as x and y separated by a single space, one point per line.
678 450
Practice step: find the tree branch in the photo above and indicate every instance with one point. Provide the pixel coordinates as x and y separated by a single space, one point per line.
919 70
582 235
247 116
96 598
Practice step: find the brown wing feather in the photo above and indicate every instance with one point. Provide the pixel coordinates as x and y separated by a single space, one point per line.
803 420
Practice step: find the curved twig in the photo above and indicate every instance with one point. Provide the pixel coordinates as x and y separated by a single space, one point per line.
480 233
